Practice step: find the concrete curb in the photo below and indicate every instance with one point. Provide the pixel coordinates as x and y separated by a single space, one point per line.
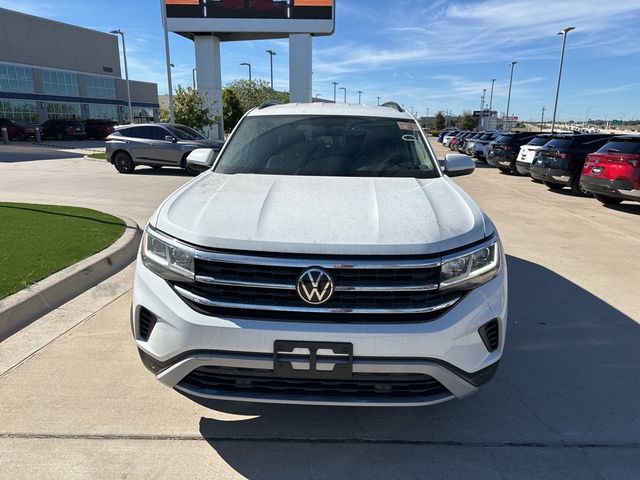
24 307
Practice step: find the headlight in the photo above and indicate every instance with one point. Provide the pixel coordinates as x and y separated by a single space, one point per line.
471 269
166 257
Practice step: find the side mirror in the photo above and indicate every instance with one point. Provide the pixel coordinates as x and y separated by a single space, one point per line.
202 159
456 164
169 138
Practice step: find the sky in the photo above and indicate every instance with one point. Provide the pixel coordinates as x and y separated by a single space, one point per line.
423 54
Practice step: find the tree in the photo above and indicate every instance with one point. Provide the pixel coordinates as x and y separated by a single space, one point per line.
251 93
440 121
190 108
468 122
231 109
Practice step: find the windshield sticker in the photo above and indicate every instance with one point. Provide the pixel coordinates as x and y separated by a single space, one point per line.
407 126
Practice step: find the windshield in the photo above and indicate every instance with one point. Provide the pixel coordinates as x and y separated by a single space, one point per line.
557 143
538 141
621 146
328 146
182 132
504 139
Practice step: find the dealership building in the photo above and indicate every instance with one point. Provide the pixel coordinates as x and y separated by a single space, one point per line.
52 70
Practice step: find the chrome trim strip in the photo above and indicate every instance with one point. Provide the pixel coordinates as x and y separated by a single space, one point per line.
239 283
295 262
278 308
343 288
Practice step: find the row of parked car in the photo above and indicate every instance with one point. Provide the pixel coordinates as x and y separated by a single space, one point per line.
59 129
605 166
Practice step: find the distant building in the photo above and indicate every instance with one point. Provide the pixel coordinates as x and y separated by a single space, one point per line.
53 70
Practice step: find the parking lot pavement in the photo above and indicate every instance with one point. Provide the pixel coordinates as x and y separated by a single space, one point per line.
563 403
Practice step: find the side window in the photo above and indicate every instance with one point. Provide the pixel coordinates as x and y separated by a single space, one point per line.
157 133
135 132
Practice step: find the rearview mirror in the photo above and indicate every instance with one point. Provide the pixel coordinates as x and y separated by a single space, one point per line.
202 159
456 164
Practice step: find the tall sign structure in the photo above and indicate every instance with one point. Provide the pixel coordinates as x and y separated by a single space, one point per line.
209 22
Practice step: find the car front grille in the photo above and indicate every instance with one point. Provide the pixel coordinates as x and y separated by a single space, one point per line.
245 382
365 289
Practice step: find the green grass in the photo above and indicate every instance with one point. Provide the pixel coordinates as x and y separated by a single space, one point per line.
38 240
98 156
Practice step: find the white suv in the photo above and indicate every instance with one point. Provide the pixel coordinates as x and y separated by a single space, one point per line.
324 258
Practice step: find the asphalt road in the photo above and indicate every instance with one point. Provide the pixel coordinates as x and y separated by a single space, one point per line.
564 403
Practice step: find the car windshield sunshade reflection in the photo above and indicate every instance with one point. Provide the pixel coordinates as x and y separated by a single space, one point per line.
328 146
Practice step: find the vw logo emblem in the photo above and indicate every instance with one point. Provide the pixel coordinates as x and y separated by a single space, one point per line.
315 286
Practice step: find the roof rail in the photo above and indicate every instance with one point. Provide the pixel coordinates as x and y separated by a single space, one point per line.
269 103
393 105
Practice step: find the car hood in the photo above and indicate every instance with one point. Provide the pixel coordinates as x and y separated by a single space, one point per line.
323 215
205 143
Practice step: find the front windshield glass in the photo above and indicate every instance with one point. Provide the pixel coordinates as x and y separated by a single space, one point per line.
182 132
328 146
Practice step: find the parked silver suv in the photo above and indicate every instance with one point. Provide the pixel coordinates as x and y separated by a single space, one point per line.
155 144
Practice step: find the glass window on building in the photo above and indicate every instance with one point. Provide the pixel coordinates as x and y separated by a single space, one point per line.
103 112
60 83
101 87
19 110
140 114
16 79
69 111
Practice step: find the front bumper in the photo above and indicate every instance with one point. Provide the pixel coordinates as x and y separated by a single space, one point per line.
610 188
449 349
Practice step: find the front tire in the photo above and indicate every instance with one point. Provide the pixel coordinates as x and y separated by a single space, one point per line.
608 200
123 162
577 189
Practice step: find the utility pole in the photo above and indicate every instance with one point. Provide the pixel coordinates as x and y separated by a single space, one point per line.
484 92
493 80
345 94
378 101
542 120
335 84
360 96
168 60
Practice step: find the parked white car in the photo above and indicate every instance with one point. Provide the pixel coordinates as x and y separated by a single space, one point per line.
324 258
528 152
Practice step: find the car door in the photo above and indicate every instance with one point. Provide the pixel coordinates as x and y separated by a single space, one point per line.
137 143
164 151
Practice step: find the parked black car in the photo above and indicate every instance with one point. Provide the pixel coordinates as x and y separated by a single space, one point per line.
481 145
64 129
559 162
467 144
504 150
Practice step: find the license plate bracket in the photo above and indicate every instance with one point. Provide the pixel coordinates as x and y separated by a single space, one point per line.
299 359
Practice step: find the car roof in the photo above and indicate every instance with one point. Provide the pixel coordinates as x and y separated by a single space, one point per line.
333 109
151 124
625 138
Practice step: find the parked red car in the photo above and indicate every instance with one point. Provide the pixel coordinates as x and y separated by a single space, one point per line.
99 129
612 173
18 129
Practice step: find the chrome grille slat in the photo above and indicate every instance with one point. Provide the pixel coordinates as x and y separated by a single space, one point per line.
427 308
341 288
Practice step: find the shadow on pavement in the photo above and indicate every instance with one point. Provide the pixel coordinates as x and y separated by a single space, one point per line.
570 377
160 172
26 153
632 208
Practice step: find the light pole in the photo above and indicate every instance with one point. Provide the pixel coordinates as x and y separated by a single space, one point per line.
249 65
586 118
360 96
493 80
484 92
378 101
564 33
168 60
542 120
512 64
126 71
271 54
345 94
318 95
193 72
335 84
